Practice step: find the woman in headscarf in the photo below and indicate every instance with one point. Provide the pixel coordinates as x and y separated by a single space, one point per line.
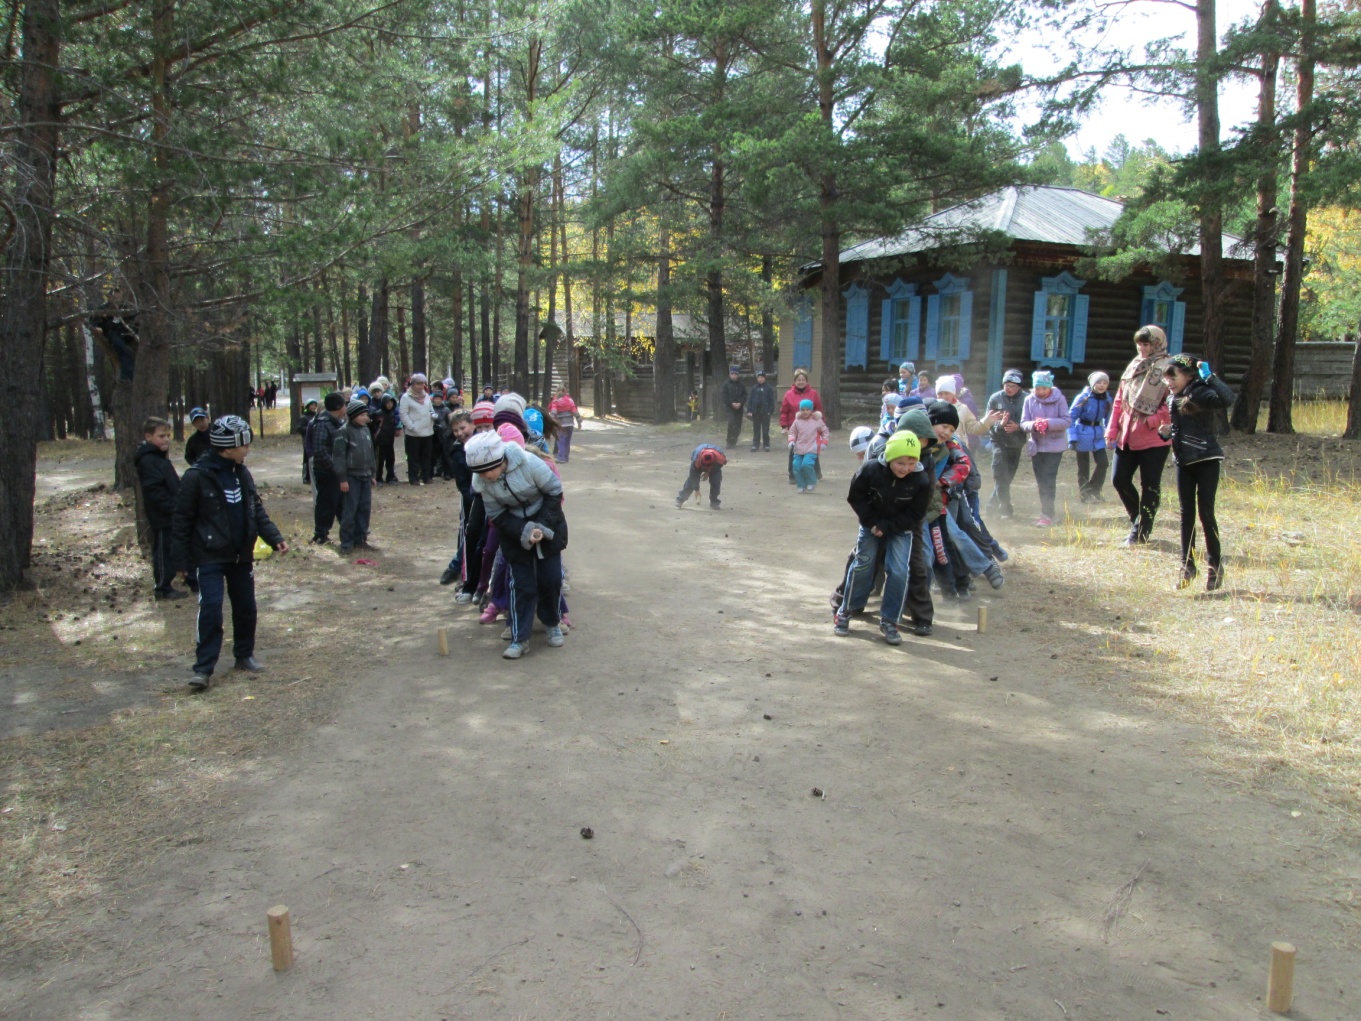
1134 433
789 410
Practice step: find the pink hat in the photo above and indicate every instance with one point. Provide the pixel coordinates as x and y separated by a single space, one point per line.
510 434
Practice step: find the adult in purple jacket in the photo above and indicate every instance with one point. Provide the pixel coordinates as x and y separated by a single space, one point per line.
1044 418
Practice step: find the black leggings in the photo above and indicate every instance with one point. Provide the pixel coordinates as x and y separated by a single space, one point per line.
1197 484
1140 504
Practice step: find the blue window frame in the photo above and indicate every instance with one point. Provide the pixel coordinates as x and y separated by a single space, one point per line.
803 332
1161 308
949 321
900 324
857 327
1058 328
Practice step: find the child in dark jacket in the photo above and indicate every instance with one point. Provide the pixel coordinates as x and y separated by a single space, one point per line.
160 485
354 463
218 516
890 498
1196 394
385 442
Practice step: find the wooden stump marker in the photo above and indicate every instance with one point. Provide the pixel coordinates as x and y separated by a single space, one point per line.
982 620
443 641
1280 986
280 937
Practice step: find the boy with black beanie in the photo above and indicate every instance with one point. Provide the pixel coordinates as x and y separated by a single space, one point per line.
327 496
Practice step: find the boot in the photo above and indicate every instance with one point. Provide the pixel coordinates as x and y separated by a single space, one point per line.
1214 577
1133 538
1188 573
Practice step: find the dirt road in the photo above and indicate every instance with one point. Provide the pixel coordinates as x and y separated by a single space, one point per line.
999 834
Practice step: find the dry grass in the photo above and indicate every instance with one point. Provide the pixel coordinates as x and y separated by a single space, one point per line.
1314 417
1272 663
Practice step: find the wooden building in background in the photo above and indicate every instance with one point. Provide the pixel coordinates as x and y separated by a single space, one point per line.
1022 306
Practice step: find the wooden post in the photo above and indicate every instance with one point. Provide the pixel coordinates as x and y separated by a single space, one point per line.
982 620
444 641
280 937
1280 986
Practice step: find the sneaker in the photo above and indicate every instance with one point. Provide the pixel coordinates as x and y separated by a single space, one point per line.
890 633
449 576
841 625
346 550
1188 574
200 682
319 540
924 630
1000 555
462 597
964 594
514 650
810 489
715 506
1214 577
555 639
506 634
994 576
1043 522
566 622
489 615
802 490
680 502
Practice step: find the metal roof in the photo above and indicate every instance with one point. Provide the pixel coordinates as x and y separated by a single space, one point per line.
1045 213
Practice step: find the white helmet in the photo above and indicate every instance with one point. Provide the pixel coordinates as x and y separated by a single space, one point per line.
860 438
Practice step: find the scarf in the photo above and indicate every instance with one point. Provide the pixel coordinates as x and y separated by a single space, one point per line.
1145 390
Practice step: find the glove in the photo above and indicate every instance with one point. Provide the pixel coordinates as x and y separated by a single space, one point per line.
1204 369
1042 425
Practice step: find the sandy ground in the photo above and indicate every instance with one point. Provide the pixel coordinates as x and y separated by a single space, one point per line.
1000 834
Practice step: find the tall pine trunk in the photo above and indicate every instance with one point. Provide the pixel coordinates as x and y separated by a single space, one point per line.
829 370
664 357
420 355
1246 408
1279 418
1211 211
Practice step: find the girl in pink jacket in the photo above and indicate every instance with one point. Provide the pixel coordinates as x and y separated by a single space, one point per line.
806 435
1137 418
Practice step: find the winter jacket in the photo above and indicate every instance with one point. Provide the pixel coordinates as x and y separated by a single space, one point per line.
388 422
352 452
463 478
1014 406
323 436
305 423
882 500
1091 413
789 403
564 411
218 515
197 446
1193 420
525 495
416 420
694 454
160 484
1053 410
761 400
1129 430
804 434
732 392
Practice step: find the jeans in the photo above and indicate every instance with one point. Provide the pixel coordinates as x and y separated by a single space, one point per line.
860 575
535 587
1089 482
692 484
1005 462
760 432
564 444
238 580
969 554
1197 484
354 519
805 470
420 458
1046 468
1140 504
327 506
734 426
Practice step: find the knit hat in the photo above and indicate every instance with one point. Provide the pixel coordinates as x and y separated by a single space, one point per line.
861 436
229 431
534 419
760 373
419 377
1097 377
943 413
1042 377
733 370
805 405
309 404
510 402
361 392
448 384
198 413
1013 376
909 401
1185 363
910 367
510 434
355 408
484 451
482 414
334 401
903 443
947 385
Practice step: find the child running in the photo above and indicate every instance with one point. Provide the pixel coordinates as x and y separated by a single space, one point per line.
890 499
